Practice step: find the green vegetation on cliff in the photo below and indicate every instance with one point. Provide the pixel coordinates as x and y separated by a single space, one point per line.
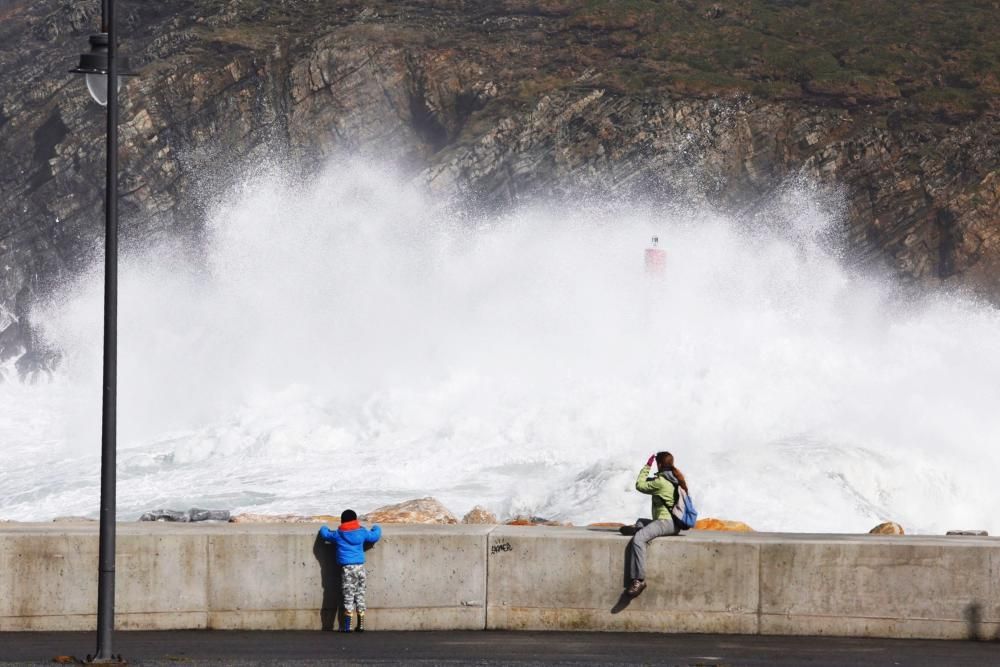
939 56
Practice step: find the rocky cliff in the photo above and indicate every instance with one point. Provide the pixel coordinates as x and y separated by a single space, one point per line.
894 103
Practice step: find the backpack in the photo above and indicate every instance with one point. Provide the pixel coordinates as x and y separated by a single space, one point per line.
684 510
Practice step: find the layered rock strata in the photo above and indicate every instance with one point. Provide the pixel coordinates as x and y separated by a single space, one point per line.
495 103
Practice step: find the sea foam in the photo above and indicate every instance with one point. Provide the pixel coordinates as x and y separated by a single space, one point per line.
352 342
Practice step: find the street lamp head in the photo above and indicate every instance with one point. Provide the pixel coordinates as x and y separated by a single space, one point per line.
94 66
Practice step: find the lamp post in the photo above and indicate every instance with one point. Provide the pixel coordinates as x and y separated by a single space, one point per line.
102 66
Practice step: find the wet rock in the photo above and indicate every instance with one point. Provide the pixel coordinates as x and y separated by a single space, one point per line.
208 515
977 533
190 516
535 521
723 525
887 528
480 515
165 515
250 517
421 510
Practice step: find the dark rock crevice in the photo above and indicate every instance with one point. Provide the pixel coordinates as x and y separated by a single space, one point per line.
949 239
45 138
423 118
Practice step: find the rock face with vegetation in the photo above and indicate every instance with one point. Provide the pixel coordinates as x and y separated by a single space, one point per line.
495 102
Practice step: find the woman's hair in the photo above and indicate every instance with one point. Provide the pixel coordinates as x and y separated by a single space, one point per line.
665 460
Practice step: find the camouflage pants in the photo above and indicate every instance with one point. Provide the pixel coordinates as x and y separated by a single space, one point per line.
353 580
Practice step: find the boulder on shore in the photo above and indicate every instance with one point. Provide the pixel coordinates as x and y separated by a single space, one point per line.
723 525
196 514
193 515
522 520
272 518
421 510
887 528
165 515
480 515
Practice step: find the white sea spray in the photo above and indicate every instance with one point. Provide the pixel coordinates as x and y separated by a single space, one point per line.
349 342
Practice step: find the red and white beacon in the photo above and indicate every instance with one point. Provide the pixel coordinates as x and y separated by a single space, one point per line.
656 258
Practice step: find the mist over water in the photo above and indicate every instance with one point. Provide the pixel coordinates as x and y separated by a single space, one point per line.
350 342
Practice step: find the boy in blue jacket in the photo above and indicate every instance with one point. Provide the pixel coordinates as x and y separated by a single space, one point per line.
350 539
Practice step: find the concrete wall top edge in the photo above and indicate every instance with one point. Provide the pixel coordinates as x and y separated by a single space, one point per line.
708 536
211 529
573 533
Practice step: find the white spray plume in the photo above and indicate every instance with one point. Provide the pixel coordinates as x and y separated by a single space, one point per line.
348 344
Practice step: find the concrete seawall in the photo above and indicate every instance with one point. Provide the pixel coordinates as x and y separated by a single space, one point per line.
271 576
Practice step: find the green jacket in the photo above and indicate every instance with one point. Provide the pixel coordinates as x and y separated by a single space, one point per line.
662 490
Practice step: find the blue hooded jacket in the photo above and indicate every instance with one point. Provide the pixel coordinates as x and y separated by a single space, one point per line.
350 539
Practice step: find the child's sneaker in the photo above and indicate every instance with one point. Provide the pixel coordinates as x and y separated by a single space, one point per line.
346 623
361 622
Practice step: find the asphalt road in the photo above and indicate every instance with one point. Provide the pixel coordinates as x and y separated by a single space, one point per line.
490 648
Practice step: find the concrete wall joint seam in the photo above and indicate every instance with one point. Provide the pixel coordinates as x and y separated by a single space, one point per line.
486 573
760 591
